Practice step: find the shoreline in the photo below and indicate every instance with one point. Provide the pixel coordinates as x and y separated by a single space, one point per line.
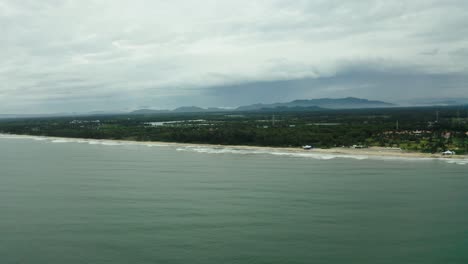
371 151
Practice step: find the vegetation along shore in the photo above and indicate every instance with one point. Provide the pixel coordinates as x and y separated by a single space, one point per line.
423 131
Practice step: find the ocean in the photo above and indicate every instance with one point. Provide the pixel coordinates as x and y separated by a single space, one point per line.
65 201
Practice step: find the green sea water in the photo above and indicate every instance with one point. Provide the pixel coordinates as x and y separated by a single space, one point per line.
65 202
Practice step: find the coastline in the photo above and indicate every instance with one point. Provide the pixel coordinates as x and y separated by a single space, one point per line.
368 152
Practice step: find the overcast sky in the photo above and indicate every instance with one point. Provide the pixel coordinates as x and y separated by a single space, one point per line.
86 55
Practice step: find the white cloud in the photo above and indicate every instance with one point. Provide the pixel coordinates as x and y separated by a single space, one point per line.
160 49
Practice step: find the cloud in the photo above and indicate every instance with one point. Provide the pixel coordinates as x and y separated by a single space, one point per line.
121 54
431 52
365 79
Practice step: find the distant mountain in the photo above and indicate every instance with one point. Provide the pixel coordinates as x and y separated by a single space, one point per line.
189 109
440 102
296 105
148 112
288 109
196 109
183 109
341 103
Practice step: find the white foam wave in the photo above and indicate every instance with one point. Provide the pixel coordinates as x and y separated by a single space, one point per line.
234 150
66 140
320 156
8 136
220 150
457 161
247 151
156 145
311 155
40 139
60 141
102 142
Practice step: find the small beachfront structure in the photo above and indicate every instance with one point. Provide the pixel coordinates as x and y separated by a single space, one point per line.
448 153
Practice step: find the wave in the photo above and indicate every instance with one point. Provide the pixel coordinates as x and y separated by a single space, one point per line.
312 155
103 142
247 151
220 150
9 136
156 145
457 161
40 138
320 156
233 150
60 141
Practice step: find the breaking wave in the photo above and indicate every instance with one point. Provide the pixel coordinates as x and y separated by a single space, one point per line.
310 155
457 161
103 142
231 150
247 151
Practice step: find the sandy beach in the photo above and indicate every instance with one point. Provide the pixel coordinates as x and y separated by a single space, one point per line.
370 152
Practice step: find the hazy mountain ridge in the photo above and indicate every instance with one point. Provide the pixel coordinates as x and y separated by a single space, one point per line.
440 102
328 103
296 105
148 111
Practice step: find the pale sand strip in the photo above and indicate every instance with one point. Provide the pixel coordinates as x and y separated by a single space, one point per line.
371 151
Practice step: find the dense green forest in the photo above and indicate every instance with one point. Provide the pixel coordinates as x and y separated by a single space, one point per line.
425 129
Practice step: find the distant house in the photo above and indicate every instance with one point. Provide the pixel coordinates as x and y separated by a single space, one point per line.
358 146
448 153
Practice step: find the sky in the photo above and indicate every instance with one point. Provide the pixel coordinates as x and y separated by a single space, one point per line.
119 55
